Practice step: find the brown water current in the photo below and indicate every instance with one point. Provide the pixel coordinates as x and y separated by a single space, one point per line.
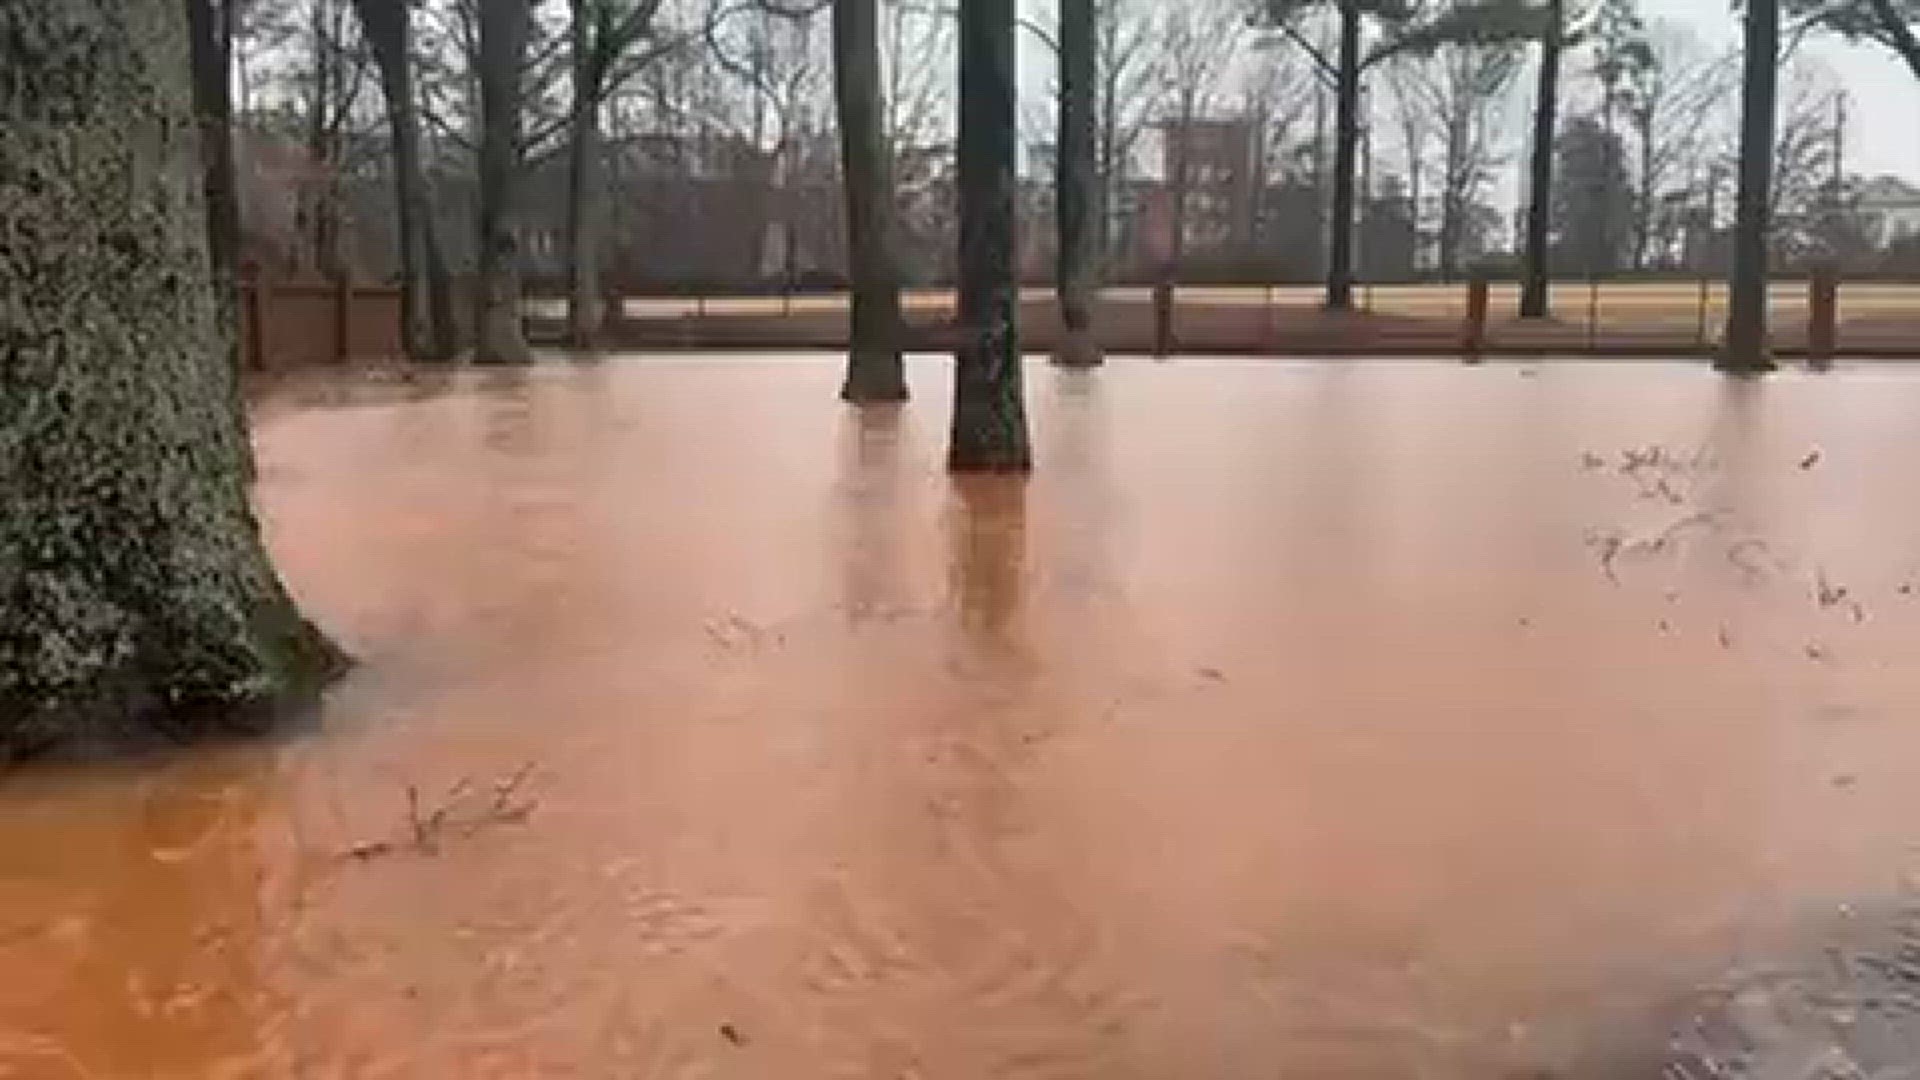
1301 720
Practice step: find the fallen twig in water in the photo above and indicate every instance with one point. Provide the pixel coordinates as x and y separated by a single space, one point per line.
1826 592
426 831
1609 544
738 634
1736 551
503 808
426 826
1612 543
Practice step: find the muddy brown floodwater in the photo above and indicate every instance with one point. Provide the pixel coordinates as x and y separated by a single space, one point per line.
1356 720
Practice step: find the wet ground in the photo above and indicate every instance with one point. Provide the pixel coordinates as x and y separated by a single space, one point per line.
1364 720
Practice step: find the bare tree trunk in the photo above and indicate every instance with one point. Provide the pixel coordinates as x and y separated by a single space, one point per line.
585 306
874 372
1182 185
323 142
449 336
1077 183
1643 210
500 338
139 597
1414 208
1453 199
210 27
584 313
1346 143
427 332
1535 274
989 407
1111 168
1745 350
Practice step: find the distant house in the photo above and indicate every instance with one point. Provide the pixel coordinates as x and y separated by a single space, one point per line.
1891 209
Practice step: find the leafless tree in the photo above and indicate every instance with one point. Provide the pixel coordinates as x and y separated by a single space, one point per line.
429 329
1673 106
503 31
609 41
1465 90
1131 94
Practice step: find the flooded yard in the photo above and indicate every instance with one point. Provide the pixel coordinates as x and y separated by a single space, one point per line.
1305 720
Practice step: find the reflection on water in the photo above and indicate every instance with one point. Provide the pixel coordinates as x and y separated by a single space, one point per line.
1318 720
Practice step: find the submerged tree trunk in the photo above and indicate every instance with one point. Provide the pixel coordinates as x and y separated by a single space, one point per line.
585 307
138 595
500 338
583 155
1745 348
1077 183
989 408
874 372
427 331
1346 146
1534 272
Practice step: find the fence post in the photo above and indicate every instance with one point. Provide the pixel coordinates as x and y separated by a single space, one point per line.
1593 313
1163 319
1700 331
1474 333
1823 294
252 326
263 320
613 315
342 318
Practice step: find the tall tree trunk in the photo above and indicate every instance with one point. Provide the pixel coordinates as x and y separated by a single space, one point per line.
583 157
426 331
323 143
1453 199
210 30
874 372
1346 145
1745 348
1182 185
1534 272
1414 208
138 594
1112 169
1077 183
989 408
500 339
1607 244
585 305
1643 199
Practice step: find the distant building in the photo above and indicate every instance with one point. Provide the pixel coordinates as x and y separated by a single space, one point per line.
1891 209
1223 178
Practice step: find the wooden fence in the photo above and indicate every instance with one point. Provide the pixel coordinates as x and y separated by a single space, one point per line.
291 324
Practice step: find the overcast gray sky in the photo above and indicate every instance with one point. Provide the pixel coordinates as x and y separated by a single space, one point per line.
1884 121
